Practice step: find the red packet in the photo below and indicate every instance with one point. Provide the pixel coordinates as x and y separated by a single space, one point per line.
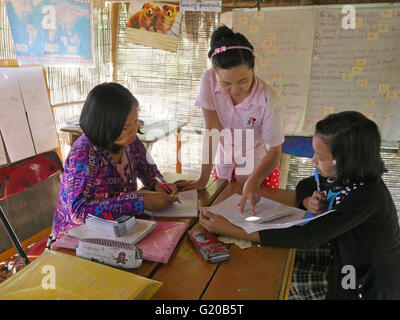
210 248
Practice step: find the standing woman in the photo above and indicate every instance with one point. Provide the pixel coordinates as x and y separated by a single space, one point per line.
244 111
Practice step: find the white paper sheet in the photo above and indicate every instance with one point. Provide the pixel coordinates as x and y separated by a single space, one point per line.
36 101
188 208
265 208
3 158
17 137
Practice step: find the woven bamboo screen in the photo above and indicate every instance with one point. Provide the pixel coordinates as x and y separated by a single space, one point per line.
166 83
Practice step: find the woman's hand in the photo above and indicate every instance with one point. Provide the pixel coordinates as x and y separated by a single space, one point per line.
315 204
154 201
171 186
216 223
251 192
219 225
190 184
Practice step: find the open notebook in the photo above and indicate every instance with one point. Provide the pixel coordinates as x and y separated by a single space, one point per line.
273 215
187 207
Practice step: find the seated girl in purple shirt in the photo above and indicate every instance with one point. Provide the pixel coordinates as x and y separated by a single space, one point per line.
101 169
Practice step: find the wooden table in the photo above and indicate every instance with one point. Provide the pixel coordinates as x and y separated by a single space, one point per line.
253 273
206 197
152 132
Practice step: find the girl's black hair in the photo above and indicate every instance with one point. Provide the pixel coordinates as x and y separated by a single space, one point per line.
355 144
223 36
104 113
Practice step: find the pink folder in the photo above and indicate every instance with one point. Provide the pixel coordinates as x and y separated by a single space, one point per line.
157 246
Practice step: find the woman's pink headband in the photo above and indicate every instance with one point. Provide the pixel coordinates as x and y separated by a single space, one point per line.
223 49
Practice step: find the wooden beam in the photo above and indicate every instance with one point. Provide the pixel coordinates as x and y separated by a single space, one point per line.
115 7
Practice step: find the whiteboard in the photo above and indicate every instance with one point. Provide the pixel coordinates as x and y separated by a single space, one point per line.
317 67
14 126
36 101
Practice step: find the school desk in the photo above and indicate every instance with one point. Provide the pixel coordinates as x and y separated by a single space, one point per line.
253 273
152 132
206 197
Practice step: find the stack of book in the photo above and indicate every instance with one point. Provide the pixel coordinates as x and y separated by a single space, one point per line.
112 228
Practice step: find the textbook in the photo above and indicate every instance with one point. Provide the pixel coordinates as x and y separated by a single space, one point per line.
58 276
210 248
137 233
114 228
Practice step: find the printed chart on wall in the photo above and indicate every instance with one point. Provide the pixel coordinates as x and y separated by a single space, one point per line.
154 24
26 120
319 65
52 32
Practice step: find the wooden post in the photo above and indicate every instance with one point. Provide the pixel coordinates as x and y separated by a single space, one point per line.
114 37
178 151
284 170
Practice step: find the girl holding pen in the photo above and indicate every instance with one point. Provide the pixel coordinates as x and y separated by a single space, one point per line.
362 234
103 165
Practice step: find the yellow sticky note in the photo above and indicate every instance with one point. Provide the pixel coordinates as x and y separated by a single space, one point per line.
359 22
277 76
356 70
254 29
383 28
362 82
271 36
372 36
264 62
391 95
243 20
387 13
271 49
369 102
267 43
383 88
369 115
347 77
361 62
328 110
259 14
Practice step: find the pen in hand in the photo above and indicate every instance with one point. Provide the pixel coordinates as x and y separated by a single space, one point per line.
316 177
173 195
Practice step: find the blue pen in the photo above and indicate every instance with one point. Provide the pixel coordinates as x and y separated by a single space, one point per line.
316 176
309 215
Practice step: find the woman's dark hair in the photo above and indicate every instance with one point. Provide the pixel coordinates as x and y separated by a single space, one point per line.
355 143
225 37
104 114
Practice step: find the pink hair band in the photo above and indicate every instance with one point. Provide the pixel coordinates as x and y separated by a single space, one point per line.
223 49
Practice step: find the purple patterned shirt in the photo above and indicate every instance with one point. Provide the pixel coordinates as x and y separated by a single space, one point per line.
92 184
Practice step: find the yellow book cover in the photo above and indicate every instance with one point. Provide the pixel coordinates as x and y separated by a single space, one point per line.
58 276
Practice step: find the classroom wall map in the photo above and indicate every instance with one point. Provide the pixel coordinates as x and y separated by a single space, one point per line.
51 31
